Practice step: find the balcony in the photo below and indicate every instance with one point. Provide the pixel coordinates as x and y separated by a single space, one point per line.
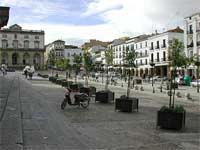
143 55
163 46
157 47
190 32
151 48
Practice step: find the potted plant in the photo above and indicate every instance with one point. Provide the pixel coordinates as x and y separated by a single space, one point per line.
106 95
125 102
173 117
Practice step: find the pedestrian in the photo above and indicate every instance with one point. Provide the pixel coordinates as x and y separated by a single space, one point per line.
26 73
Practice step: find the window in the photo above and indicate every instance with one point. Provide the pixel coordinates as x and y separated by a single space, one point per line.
15 44
146 43
15 36
80 54
164 43
68 54
145 52
164 56
145 61
26 44
152 57
36 44
36 37
151 45
190 28
26 36
140 54
140 45
132 47
158 58
158 45
135 46
4 44
141 62
4 35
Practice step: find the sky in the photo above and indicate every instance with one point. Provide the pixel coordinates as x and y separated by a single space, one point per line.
77 21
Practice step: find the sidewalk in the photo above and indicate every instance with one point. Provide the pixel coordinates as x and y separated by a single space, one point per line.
11 124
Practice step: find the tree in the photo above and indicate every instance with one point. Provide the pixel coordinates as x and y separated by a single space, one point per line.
88 65
51 60
63 64
77 65
177 58
129 61
109 61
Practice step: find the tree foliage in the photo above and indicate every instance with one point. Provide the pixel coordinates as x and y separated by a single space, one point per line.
77 62
176 53
129 58
63 64
109 56
88 63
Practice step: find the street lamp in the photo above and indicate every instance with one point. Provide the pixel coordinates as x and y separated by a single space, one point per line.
152 64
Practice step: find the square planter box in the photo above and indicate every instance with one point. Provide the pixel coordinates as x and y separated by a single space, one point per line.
104 96
74 87
171 120
66 83
126 104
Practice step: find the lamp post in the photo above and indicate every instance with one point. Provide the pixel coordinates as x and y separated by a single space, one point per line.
152 64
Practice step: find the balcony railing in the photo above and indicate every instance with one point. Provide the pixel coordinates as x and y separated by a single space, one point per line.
157 47
163 46
190 32
151 48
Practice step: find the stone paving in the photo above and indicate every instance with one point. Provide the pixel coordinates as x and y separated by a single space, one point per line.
34 111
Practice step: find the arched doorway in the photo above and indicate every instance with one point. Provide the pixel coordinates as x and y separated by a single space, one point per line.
36 59
15 58
26 59
4 57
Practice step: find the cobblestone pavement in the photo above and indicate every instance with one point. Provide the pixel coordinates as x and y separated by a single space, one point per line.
42 125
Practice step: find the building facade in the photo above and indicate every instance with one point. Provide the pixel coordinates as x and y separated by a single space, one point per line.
70 51
19 47
192 39
150 49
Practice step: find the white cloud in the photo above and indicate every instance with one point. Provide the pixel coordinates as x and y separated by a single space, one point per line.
38 8
70 33
143 16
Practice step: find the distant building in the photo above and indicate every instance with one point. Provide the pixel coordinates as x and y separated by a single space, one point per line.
19 47
192 39
70 51
97 53
92 43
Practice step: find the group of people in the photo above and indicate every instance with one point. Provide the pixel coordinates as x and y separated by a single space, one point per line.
29 71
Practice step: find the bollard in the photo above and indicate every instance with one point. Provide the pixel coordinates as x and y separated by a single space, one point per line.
141 88
188 96
178 94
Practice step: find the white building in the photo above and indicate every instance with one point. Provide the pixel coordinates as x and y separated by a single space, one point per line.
149 48
158 52
98 54
19 47
57 48
192 39
70 51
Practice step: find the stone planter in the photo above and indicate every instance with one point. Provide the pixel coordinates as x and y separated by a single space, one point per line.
171 120
66 83
126 104
52 79
74 87
104 96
